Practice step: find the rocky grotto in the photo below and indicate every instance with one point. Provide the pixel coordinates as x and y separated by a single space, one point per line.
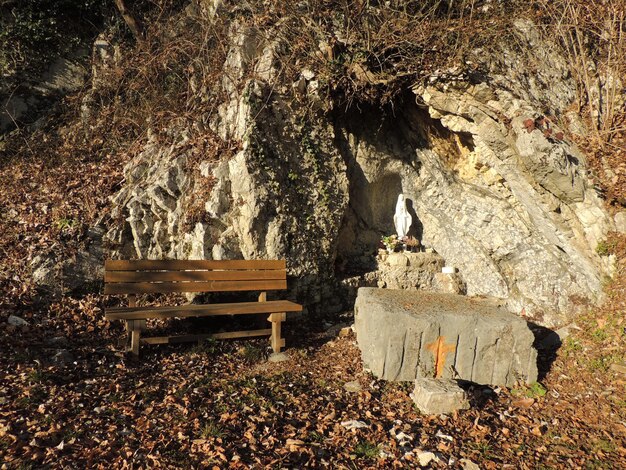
492 184
444 180
512 207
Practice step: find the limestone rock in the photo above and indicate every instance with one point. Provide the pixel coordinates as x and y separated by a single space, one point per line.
409 270
467 464
618 367
353 386
397 259
56 341
83 271
404 335
336 330
449 283
278 357
510 205
425 458
152 206
63 357
37 92
46 273
620 222
16 321
439 396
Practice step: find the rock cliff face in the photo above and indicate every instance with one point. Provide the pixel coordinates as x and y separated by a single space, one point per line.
494 185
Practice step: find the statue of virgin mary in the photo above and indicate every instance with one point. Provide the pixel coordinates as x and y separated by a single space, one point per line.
402 219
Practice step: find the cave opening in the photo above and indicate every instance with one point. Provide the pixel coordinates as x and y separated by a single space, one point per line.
381 148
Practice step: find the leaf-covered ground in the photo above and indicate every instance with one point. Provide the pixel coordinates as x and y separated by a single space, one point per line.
223 405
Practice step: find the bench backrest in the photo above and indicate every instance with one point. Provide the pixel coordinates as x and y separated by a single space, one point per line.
165 276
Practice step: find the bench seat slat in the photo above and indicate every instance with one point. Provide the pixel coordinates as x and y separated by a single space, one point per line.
209 286
161 276
200 337
194 310
181 265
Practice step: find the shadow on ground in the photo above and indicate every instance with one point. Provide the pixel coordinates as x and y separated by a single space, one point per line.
547 343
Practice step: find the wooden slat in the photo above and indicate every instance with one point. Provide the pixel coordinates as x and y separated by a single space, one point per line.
184 311
161 276
210 286
187 338
181 265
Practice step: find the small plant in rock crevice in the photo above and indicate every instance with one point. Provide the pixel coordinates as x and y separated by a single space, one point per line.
603 248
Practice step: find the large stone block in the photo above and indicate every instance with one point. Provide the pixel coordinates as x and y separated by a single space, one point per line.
404 335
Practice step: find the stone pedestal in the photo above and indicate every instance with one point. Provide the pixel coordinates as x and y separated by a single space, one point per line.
414 271
404 335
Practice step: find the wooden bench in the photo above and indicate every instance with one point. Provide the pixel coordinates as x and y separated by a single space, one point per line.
127 277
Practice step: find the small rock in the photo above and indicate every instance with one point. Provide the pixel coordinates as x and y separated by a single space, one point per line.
620 222
468 465
300 85
63 358
402 437
354 424
56 341
397 259
449 283
439 396
278 357
425 458
16 321
335 330
353 386
307 74
619 367
345 331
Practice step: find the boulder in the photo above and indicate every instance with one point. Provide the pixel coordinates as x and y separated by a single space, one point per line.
404 335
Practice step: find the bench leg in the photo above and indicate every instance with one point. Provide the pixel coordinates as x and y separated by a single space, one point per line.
275 340
129 332
134 340
133 335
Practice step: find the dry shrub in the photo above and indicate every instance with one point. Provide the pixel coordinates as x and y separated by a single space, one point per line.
370 52
592 36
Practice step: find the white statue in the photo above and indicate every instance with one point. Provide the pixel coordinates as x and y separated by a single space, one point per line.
402 219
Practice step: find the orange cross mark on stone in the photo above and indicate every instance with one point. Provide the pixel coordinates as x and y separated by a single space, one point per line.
439 350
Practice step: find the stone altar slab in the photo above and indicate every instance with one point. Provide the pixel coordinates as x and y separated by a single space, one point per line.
404 335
